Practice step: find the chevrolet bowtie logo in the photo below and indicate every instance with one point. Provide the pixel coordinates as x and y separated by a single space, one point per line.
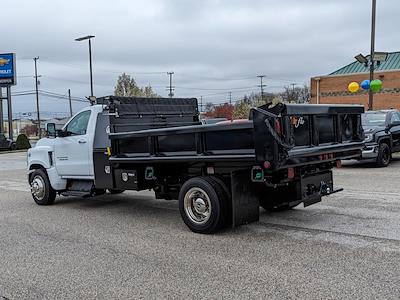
4 61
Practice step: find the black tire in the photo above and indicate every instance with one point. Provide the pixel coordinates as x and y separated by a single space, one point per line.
115 192
384 155
41 190
224 191
209 192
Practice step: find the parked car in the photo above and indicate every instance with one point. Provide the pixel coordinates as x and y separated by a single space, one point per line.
6 144
382 135
207 121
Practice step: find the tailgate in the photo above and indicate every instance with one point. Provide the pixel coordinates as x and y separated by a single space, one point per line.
295 134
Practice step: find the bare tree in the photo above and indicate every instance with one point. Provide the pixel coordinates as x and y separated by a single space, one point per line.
296 94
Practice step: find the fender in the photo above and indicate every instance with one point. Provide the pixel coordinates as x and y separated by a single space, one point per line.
42 156
381 135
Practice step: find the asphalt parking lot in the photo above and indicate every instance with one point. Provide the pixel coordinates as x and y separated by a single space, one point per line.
133 246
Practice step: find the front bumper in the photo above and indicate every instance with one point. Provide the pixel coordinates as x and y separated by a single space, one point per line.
370 151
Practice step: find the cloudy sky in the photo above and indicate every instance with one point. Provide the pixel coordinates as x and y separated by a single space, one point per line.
213 46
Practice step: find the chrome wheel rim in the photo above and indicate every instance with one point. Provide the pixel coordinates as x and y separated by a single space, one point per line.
197 205
38 187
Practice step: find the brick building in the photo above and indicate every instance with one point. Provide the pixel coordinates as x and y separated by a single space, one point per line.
332 88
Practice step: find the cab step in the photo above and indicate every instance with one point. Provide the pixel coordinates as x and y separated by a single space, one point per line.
79 188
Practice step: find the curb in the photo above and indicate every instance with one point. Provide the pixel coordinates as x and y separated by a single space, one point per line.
13 151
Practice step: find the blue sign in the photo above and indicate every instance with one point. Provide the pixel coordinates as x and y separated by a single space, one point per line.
7 69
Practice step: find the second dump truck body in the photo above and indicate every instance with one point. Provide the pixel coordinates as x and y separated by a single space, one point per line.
221 173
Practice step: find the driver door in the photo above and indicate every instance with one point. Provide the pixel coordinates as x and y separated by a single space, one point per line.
72 151
395 131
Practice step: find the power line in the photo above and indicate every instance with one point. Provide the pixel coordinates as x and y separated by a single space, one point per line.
104 69
214 89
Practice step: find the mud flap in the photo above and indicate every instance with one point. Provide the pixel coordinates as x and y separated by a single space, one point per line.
245 204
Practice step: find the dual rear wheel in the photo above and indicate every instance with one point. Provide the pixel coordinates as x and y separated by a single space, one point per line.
203 204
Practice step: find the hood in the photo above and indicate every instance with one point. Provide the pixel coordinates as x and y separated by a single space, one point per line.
373 129
46 142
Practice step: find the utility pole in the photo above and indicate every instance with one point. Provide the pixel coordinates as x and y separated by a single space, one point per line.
170 88
261 86
1 111
37 97
70 102
201 103
10 123
293 85
371 56
230 98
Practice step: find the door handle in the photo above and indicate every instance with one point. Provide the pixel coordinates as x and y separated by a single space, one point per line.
82 142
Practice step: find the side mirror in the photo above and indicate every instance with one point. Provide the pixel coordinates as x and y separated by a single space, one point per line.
51 130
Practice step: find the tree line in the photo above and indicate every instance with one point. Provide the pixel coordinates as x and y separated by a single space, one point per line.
127 87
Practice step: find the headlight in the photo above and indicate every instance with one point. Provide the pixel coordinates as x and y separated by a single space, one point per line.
368 137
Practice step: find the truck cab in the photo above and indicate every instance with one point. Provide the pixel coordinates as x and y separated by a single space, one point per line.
68 154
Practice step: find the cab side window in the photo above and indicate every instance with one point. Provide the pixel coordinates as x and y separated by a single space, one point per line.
78 125
395 117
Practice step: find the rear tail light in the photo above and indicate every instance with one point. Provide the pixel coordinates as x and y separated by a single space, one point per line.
278 127
267 165
338 163
290 173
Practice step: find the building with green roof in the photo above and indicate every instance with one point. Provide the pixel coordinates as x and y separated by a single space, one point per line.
333 88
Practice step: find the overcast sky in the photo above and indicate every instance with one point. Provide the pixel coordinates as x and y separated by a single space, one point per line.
212 46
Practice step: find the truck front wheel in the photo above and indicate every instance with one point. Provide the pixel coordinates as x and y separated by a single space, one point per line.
41 190
384 155
202 204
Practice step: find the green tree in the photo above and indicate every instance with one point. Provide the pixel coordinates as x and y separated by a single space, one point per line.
22 142
127 87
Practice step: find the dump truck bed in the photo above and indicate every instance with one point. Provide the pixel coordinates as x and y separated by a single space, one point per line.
284 135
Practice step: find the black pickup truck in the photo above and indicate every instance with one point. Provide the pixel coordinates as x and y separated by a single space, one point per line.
382 135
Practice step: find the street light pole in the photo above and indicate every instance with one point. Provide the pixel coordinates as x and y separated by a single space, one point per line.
37 97
89 37
371 56
70 102
91 68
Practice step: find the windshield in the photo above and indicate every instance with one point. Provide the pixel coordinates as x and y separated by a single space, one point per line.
374 119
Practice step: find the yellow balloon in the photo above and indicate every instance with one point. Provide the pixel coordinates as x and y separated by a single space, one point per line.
353 87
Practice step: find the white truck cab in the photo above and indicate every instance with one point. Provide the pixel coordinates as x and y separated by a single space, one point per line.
69 155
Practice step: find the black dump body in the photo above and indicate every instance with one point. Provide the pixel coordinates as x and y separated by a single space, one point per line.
159 130
280 157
